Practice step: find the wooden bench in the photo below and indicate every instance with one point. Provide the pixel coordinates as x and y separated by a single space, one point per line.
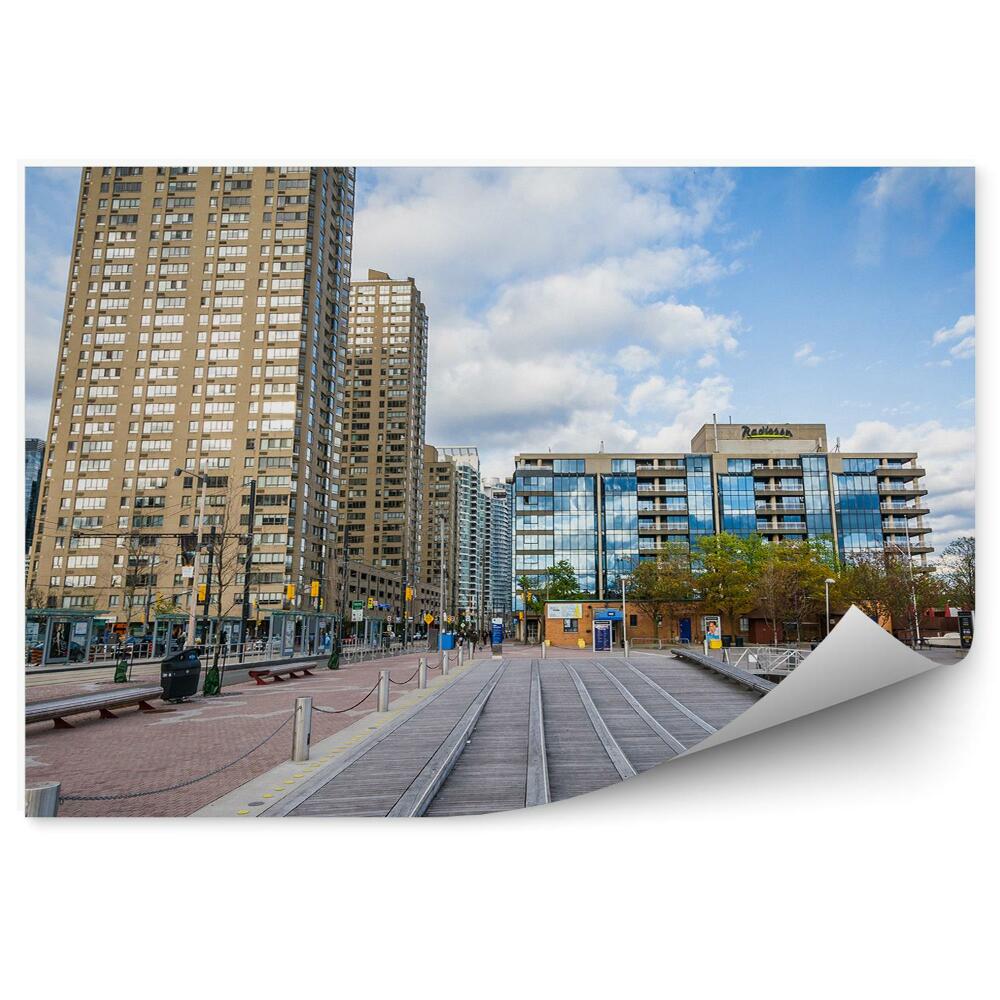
292 670
57 709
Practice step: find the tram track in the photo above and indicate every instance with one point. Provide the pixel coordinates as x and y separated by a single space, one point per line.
523 732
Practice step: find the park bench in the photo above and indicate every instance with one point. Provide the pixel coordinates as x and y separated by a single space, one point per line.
57 709
274 673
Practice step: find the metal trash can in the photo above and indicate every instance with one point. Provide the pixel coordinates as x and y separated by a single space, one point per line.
727 641
180 674
739 640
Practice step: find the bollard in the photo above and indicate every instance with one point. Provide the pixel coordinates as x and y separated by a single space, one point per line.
461 650
422 672
302 728
626 649
543 650
383 691
444 664
42 800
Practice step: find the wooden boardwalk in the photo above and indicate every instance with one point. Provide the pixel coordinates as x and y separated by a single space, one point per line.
519 732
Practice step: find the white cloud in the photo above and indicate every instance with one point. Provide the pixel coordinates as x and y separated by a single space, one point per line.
948 455
806 355
904 187
964 331
549 291
634 359
963 325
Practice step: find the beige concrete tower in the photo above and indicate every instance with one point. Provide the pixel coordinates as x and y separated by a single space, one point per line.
206 312
385 407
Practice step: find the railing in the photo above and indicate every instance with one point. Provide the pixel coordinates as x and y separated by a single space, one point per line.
764 660
254 651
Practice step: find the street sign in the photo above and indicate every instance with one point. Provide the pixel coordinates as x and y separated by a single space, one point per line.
428 618
965 628
357 611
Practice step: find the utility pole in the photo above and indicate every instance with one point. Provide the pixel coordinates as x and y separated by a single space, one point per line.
193 608
208 588
441 596
247 566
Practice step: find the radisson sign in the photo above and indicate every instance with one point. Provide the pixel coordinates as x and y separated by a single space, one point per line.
766 432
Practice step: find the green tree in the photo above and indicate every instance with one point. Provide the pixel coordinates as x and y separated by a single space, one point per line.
885 586
727 570
789 583
957 572
663 585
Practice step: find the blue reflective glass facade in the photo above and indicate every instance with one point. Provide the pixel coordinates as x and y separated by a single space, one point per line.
737 505
856 505
701 512
817 496
574 525
621 528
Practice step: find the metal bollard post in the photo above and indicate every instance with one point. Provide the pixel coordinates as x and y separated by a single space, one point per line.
383 691
543 650
422 672
42 800
626 649
461 650
444 664
302 728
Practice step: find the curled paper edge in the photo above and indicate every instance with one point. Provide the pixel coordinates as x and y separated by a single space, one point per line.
858 657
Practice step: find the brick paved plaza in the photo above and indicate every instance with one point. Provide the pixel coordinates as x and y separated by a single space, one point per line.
139 751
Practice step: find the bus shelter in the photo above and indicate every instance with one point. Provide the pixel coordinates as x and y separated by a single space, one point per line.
55 636
302 633
170 632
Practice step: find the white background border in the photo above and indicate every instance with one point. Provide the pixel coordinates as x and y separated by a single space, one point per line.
846 854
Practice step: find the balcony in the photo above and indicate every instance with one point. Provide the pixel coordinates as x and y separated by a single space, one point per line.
763 490
662 488
902 509
900 471
781 527
901 491
773 470
660 529
781 508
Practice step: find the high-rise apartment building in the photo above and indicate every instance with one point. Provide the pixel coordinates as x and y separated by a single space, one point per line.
205 320
438 526
604 512
384 417
498 546
469 538
34 454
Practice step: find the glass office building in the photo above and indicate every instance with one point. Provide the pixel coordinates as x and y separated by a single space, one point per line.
603 513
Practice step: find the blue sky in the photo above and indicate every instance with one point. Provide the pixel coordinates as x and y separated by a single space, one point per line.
573 305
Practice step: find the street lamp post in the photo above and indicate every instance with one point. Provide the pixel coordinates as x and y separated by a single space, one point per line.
826 588
193 607
625 580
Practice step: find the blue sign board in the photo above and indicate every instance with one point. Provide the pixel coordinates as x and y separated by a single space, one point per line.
602 636
496 633
608 615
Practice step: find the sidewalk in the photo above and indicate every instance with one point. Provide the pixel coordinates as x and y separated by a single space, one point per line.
140 752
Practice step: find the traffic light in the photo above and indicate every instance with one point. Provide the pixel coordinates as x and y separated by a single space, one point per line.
371 603
290 591
202 587
314 589
409 593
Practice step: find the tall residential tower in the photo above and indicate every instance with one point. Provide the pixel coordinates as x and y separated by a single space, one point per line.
384 418
205 319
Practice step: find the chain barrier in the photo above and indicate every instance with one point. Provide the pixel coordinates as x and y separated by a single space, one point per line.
407 681
340 711
182 784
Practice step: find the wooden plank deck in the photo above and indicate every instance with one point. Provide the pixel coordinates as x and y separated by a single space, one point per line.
523 732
